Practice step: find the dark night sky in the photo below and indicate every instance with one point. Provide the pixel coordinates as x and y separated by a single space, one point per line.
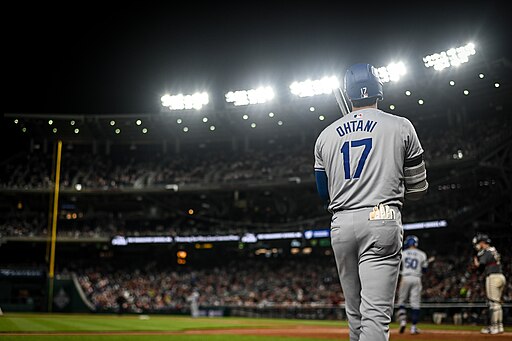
96 59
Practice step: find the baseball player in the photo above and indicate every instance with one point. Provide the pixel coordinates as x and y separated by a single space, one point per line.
365 163
193 298
414 265
488 261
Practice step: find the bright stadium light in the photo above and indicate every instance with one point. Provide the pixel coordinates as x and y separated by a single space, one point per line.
252 96
181 102
392 72
310 88
451 57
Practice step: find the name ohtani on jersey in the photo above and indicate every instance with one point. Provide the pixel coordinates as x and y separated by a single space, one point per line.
354 126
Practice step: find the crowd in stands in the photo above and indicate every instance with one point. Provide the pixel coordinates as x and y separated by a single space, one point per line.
221 165
471 139
265 283
179 215
277 210
217 215
244 283
138 170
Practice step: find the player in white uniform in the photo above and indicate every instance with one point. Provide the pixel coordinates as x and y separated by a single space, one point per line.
414 265
193 298
365 163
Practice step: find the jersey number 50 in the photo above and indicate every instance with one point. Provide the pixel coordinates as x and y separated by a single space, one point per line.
345 150
411 263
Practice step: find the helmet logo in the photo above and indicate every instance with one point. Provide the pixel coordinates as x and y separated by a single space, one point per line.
364 92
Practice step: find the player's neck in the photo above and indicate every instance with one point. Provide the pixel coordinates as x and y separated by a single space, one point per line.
373 106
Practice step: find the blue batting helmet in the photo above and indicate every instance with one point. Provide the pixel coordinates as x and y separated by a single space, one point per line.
362 81
411 241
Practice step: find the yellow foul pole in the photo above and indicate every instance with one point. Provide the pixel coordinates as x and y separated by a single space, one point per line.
54 226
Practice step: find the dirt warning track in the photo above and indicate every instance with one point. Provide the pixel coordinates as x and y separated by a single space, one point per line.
329 333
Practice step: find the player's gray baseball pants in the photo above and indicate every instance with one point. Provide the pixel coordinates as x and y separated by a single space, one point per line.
368 254
410 288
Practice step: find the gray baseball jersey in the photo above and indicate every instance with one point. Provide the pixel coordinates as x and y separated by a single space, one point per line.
413 261
363 156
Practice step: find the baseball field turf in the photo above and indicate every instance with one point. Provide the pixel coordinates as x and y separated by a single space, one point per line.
94 327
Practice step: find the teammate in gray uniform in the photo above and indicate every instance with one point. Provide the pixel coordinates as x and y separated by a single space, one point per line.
414 265
193 298
488 261
365 162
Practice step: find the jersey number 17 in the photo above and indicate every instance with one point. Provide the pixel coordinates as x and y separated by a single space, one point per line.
345 150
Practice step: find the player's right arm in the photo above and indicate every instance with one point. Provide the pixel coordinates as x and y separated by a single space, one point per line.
320 174
321 185
415 173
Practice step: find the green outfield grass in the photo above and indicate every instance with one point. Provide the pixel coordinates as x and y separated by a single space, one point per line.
95 323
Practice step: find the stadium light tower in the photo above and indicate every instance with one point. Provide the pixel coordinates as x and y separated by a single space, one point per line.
315 87
452 57
391 72
252 96
181 102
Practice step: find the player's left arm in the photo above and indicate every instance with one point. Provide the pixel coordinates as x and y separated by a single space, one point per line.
426 263
415 173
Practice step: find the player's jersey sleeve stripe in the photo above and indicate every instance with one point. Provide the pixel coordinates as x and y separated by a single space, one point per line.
320 169
413 161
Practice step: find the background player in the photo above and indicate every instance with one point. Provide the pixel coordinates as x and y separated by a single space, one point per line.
488 261
414 265
193 298
365 162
